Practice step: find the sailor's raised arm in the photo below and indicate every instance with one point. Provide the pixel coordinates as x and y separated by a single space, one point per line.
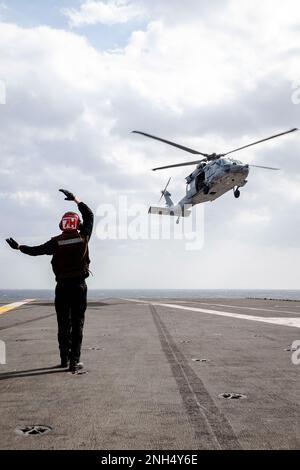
86 212
87 219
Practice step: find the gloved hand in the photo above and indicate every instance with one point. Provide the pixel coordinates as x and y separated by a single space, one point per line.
12 243
69 196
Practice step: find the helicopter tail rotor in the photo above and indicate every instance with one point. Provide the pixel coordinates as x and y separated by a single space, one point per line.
164 192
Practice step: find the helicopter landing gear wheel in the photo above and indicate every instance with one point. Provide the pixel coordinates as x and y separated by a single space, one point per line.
237 193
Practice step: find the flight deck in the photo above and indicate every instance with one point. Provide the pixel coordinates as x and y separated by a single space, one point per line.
159 374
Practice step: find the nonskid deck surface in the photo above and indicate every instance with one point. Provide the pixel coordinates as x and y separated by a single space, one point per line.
156 369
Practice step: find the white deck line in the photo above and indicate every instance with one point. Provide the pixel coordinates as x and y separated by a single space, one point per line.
287 321
244 307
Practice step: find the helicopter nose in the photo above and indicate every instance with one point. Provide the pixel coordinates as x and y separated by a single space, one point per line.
240 168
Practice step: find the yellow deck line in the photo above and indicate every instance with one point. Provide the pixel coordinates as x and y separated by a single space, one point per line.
14 305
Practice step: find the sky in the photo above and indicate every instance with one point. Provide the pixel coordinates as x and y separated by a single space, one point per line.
80 75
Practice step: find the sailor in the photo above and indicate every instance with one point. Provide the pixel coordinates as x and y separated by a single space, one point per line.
70 263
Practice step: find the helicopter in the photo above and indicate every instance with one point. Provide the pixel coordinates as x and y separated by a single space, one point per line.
215 174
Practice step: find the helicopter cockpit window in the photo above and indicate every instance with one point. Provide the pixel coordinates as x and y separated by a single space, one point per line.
224 162
235 162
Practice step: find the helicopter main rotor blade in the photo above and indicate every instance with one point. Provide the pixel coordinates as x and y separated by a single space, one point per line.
178 164
264 167
259 141
182 147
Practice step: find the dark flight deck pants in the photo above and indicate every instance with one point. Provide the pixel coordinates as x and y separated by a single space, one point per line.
70 305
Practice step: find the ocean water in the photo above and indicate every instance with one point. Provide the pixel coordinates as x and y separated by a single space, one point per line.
158 293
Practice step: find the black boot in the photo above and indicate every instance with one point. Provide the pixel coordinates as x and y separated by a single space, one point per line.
64 364
75 366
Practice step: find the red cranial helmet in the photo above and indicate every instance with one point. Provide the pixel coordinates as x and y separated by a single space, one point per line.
70 221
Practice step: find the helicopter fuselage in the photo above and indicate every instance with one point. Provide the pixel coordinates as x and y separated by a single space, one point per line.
213 179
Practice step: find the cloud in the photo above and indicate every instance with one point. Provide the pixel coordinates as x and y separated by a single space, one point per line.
210 78
93 12
3 9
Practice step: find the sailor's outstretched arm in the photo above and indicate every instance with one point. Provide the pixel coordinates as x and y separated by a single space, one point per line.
44 249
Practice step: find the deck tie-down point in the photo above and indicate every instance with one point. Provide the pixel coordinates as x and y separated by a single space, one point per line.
33 430
232 396
195 359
